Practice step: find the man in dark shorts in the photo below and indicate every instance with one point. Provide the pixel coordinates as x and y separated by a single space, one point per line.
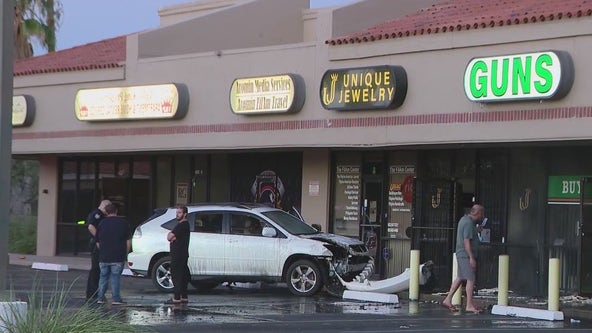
179 245
467 242
92 222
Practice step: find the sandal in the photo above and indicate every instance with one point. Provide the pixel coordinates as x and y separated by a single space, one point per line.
451 307
476 310
184 300
172 301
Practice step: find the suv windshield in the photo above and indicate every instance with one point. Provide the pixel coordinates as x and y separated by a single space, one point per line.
290 223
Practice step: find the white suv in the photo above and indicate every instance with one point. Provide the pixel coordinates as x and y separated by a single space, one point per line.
236 242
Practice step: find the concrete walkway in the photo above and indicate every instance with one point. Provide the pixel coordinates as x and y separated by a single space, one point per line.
73 262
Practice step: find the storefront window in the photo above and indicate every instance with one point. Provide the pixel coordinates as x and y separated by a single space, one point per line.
347 173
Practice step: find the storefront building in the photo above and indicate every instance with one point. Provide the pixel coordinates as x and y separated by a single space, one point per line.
383 131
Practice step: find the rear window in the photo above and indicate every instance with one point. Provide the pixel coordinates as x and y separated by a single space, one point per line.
208 222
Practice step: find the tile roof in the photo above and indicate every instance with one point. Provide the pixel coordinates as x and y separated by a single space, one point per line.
456 15
108 53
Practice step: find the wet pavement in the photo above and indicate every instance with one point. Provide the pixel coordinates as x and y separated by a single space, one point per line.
271 308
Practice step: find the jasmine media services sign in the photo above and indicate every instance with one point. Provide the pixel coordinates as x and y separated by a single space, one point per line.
540 75
364 88
268 94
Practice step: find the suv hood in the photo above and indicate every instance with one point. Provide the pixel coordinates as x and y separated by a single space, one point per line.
334 239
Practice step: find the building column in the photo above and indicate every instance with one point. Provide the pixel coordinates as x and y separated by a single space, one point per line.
48 206
316 179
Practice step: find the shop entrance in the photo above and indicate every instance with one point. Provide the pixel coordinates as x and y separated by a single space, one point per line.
372 218
585 235
435 212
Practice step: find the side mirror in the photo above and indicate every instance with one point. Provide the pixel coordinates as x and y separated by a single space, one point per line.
269 232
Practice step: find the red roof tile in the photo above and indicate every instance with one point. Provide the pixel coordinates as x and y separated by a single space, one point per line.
455 15
108 53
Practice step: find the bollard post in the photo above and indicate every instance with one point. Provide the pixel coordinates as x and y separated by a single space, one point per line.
554 284
503 277
414 276
457 297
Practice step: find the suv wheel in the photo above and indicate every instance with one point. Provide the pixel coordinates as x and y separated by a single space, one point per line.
161 275
304 278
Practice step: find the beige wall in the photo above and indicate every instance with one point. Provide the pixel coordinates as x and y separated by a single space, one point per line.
48 203
315 171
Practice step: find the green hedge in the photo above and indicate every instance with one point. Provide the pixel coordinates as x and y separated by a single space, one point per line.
22 234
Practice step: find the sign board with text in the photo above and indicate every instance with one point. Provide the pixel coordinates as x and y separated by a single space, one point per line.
163 101
268 94
364 88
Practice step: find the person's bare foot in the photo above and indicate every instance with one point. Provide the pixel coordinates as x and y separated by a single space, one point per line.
449 305
475 310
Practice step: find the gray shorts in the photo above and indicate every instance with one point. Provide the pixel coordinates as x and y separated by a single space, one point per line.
464 272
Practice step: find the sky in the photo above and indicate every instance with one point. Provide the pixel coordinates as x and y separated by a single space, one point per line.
87 21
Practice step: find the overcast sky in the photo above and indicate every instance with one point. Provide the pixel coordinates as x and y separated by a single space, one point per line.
86 21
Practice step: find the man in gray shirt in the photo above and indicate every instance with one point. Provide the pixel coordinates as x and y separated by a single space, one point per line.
467 241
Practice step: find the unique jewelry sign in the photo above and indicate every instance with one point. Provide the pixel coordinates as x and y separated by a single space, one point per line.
364 88
23 110
269 94
164 101
541 75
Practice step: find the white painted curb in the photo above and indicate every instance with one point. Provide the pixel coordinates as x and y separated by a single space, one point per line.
370 296
515 311
9 312
50 267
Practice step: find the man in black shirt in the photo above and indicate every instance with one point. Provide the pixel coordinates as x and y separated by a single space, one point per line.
179 244
92 222
114 244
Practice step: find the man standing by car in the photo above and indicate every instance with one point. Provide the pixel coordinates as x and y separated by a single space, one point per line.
92 222
179 245
113 241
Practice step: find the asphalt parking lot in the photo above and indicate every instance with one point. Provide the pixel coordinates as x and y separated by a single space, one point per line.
272 308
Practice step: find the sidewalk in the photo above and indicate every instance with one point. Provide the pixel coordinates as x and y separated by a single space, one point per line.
81 262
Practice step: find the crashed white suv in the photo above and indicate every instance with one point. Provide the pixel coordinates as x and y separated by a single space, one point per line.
236 242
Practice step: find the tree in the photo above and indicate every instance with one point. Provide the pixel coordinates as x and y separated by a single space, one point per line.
38 20
35 20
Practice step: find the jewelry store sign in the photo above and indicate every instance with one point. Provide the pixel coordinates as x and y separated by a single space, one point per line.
364 88
268 94
23 110
164 101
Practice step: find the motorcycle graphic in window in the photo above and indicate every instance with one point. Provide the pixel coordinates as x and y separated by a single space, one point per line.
268 189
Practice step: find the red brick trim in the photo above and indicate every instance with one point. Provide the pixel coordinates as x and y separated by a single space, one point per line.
359 122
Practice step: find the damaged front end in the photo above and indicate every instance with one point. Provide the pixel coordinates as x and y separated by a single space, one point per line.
351 260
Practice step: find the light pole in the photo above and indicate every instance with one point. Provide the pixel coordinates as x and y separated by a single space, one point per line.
6 75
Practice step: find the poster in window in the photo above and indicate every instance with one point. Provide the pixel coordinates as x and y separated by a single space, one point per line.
182 190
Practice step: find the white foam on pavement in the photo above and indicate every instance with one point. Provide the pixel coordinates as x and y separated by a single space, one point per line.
515 311
50 267
371 297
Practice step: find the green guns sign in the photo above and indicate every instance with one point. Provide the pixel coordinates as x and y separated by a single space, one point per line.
541 75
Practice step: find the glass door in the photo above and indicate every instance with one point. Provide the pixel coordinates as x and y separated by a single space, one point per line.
372 213
585 235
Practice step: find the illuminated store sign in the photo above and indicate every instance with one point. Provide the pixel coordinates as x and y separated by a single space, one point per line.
364 88
269 94
542 75
164 101
566 189
23 110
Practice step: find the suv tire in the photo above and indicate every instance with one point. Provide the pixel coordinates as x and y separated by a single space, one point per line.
304 278
161 275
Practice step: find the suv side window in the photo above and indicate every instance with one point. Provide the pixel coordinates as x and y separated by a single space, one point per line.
208 222
244 224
